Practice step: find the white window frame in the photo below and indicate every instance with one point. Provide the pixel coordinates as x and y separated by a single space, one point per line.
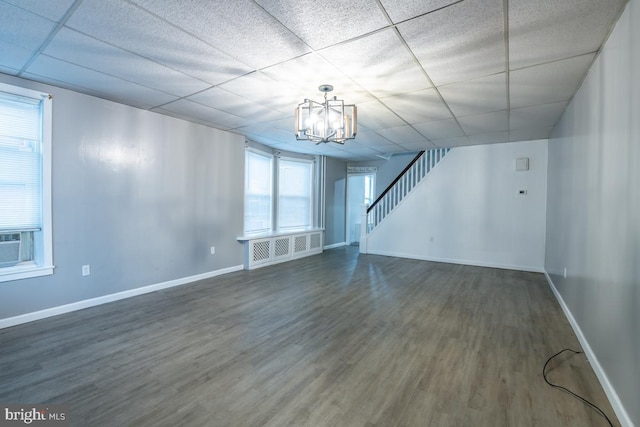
42 264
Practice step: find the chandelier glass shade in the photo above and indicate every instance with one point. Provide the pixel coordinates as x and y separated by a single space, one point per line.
330 121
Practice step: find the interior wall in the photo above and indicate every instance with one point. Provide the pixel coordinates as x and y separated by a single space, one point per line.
593 221
335 201
388 170
138 196
469 210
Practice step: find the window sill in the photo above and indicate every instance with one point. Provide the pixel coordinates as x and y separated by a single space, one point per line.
266 234
24 271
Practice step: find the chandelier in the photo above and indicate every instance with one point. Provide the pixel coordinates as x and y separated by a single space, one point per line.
330 121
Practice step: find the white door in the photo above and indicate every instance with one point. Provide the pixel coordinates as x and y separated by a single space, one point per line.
360 190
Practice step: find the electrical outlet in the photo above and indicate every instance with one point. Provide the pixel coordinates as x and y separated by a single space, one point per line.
86 270
213 250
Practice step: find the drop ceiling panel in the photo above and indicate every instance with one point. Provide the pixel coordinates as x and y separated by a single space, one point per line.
459 141
477 96
266 91
418 107
539 116
102 85
370 138
401 10
402 134
380 63
440 129
22 28
242 29
488 138
548 30
547 83
325 23
15 57
77 48
418 146
129 27
529 134
50 9
374 115
209 115
308 72
234 104
488 122
460 42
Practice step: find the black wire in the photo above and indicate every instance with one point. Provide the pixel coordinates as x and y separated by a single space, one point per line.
544 374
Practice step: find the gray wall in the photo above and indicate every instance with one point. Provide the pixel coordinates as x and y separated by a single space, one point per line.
139 196
593 214
335 201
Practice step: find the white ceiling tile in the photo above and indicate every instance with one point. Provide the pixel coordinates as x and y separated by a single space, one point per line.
418 146
210 115
546 30
488 122
460 42
538 116
547 83
477 96
13 56
237 23
308 72
401 10
402 135
22 28
459 141
327 23
440 129
236 105
74 47
50 9
418 107
266 91
378 62
95 83
374 115
371 138
489 138
529 134
129 27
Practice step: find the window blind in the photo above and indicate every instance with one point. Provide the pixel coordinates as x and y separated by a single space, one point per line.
295 193
258 192
20 163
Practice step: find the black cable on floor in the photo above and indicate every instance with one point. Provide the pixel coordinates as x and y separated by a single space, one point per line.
544 374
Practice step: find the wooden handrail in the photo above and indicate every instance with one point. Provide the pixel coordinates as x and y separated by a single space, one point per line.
386 190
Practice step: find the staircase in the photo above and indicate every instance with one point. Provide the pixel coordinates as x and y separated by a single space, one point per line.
407 180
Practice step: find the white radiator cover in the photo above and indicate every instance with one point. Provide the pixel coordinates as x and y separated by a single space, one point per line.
262 251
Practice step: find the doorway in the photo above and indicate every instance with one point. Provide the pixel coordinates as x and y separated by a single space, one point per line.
360 190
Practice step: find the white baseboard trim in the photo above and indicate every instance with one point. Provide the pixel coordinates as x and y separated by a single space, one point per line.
335 245
614 399
529 268
67 308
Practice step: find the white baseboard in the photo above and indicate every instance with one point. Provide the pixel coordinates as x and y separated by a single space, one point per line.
614 399
532 269
67 308
335 245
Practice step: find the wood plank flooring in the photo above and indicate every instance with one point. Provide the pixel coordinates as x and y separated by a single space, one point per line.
337 339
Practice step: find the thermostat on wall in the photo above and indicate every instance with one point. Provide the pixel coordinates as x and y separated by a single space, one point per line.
522 164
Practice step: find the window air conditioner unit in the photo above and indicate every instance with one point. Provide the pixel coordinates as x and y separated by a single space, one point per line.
9 249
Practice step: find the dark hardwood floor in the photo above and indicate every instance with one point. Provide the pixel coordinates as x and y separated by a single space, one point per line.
337 339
